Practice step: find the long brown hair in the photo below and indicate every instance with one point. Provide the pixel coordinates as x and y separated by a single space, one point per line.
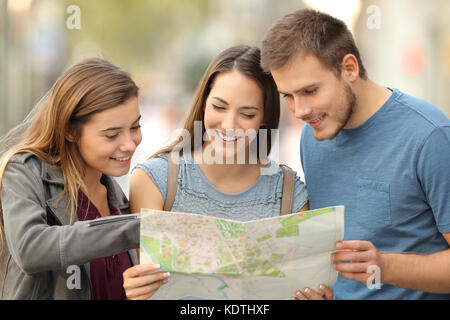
86 88
247 60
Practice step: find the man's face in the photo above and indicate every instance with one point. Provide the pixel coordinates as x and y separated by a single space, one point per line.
315 95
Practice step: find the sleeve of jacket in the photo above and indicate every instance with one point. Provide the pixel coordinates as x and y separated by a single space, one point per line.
36 247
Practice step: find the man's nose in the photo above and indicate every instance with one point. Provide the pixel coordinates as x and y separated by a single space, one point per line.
301 110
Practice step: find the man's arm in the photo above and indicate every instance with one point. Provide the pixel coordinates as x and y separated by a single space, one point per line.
424 272
428 272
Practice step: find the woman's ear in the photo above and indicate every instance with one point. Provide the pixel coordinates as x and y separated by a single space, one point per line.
71 135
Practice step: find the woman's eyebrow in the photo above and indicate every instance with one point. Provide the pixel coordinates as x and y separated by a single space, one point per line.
221 100
249 107
118 128
243 107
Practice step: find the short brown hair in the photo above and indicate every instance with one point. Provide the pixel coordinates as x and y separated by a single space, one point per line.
309 31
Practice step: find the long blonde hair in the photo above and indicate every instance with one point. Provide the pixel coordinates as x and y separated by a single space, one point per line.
86 88
247 60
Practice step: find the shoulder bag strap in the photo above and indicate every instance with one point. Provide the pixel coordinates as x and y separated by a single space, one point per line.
172 184
288 190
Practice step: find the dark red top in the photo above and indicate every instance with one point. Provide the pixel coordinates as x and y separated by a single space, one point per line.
106 272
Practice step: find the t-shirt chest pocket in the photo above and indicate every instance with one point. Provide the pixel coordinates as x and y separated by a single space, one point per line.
373 207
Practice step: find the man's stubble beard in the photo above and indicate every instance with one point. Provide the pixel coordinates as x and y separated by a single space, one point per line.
347 112
351 105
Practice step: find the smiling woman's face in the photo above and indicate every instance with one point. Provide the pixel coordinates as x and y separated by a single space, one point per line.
233 107
109 139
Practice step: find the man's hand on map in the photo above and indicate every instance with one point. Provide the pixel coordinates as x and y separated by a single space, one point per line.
310 294
355 260
143 280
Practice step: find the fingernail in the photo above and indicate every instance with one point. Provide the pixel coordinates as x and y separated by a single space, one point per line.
297 293
339 245
156 266
306 290
166 274
321 286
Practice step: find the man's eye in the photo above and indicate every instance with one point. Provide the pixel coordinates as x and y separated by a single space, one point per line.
311 91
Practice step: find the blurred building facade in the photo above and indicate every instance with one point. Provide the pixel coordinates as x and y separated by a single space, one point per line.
167 45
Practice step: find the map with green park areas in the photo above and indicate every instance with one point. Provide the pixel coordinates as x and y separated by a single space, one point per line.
234 254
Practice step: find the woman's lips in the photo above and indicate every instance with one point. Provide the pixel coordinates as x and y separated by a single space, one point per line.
227 139
122 160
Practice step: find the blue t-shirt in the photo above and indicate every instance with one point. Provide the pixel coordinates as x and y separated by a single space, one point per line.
392 174
195 194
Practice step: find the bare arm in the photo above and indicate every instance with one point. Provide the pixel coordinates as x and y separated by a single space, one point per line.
144 193
427 272
143 280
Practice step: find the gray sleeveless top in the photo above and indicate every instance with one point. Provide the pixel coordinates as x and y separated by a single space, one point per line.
195 194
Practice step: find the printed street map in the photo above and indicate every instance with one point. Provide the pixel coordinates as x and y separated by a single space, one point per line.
211 258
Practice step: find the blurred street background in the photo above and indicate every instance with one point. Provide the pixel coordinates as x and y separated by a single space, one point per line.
167 45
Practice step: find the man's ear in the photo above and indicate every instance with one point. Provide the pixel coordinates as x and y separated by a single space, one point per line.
350 67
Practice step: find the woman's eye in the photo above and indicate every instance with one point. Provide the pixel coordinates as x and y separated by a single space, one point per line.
250 116
285 95
217 107
112 137
136 127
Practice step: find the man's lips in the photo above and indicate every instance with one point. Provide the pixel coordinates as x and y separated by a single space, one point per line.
316 122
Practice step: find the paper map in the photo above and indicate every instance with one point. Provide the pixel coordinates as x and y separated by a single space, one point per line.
211 258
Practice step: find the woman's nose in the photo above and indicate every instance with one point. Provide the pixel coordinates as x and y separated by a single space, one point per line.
128 145
229 122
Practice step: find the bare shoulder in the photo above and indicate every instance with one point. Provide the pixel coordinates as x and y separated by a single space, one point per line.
143 192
